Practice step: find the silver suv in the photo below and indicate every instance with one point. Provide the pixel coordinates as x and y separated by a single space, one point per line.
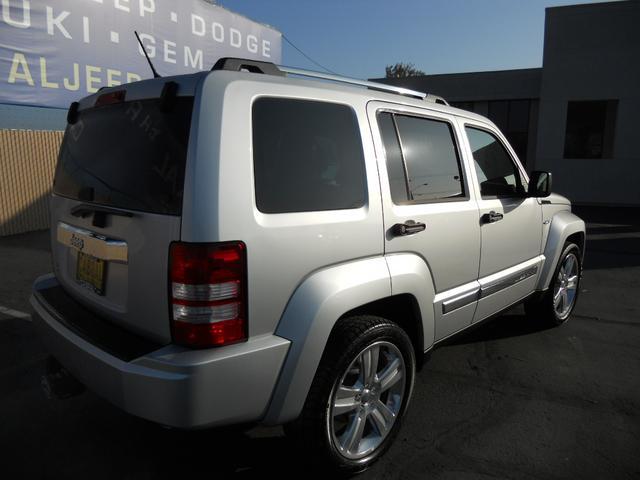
258 244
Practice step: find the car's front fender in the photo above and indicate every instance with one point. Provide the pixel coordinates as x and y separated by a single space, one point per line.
563 225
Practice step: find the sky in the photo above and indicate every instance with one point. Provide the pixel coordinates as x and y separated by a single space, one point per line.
358 38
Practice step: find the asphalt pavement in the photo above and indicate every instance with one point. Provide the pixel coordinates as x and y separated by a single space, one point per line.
509 400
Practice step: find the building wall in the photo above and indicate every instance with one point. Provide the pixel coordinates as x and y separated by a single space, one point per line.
592 52
475 86
27 163
482 92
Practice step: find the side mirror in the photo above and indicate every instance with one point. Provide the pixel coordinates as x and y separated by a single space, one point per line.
540 184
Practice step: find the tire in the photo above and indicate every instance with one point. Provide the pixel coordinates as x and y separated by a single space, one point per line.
554 307
346 394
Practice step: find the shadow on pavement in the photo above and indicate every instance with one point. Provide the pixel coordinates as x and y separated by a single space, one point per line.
225 453
608 252
38 240
613 236
510 324
217 453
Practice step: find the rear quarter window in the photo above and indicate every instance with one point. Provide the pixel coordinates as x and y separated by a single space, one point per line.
307 156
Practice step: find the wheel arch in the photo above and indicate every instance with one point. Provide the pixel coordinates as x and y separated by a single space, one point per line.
564 226
404 311
366 286
579 238
308 319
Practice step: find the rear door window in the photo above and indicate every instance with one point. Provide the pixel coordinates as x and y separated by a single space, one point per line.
422 159
130 155
307 156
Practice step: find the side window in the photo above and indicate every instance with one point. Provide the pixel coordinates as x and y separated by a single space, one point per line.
307 156
422 159
497 173
395 163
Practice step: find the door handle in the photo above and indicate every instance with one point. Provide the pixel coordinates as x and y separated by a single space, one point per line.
409 227
492 217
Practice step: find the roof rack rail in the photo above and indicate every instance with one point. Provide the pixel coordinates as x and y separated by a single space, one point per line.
253 66
268 68
354 81
436 99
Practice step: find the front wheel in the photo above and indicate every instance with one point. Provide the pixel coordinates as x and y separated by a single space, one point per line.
557 303
359 394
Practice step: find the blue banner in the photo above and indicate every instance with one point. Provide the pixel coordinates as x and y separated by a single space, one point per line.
53 52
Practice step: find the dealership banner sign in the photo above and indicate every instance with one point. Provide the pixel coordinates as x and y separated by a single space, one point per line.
53 52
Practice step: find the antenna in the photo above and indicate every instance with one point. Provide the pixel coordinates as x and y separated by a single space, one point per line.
144 50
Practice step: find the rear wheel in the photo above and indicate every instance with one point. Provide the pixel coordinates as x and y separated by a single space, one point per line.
359 394
557 303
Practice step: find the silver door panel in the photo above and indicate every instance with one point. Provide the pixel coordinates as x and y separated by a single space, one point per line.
502 289
454 307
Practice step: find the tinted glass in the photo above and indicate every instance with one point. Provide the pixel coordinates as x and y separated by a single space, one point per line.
395 165
430 157
497 173
129 155
307 156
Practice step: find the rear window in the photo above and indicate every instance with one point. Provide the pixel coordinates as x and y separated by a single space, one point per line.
129 155
307 156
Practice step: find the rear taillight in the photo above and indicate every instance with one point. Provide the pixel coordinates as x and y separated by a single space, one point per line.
208 293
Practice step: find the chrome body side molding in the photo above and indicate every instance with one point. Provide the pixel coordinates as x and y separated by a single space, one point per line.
508 281
460 301
461 296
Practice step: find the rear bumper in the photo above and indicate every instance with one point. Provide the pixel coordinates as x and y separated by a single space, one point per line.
170 385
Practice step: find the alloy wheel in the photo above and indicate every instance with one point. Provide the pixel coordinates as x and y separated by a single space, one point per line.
566 286
365 403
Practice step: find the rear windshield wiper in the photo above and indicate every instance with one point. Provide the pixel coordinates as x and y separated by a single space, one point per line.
99 213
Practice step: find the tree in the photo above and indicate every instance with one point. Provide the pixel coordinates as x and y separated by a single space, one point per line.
402 70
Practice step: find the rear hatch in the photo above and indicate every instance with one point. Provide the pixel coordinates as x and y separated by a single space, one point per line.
117 200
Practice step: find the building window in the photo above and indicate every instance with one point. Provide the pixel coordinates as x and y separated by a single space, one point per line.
590 129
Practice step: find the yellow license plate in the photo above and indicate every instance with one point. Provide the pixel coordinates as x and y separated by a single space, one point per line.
90 272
